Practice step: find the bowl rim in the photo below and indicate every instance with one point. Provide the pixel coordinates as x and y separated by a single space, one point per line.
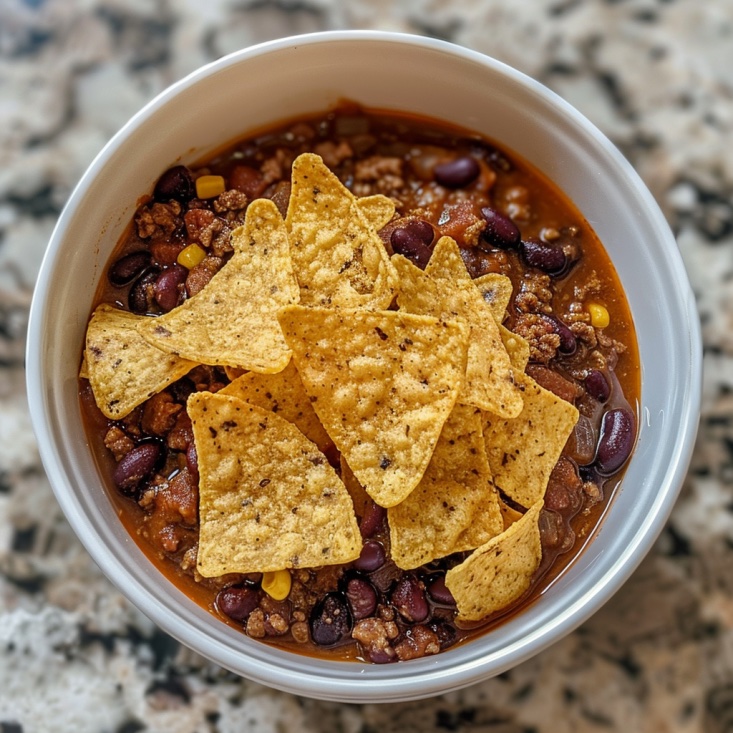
326 680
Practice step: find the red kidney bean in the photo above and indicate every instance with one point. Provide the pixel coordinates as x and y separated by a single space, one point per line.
372 520
408 597
141 297
175 183
136 466
618 432
568 342
597 386
330 620
127 268
457 173
237 602
373 556
543 256
414 240
168 287
362 597
439 592
192 460
500 231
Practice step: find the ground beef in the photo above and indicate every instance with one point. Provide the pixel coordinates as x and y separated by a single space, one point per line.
256 624
378 174
535 294
202 226
554 382
181 434
277 167
200 275
540 333
419 641
118 442
334 154
231 200
371 633
159 414
158 221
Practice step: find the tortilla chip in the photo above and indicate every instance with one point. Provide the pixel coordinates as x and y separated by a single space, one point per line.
84 368
498 573
523 451
489 382
382 383
232 321
509 514
496 290
268 498
338 257
123 369
378 210
517 347
455 507
284 394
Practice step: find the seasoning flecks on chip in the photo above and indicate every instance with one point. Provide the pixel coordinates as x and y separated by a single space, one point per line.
338 257
455 507
284 394
123 369
499 572
489 382
523 451
382 383
496 290
232 321
268 498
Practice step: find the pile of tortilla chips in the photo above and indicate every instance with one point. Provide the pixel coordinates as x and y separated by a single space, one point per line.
408 374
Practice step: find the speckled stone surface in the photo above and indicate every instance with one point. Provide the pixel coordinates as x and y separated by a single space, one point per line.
657 77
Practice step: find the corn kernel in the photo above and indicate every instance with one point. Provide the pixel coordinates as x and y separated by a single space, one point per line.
190 256
209 186
276 584
599 317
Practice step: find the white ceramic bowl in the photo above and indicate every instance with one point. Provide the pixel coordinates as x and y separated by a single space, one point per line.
283 79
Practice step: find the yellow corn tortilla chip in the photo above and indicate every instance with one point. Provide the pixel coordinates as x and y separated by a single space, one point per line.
284 394
499 572
232 321
339 259
455 507
123 369
268 498
496 290
84 368
378 210
382 383
508 514
489 382
523 451
517 347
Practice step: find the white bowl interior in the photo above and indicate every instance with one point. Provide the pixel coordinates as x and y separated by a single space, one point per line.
287 78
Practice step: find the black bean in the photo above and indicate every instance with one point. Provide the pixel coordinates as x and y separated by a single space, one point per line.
597 386
362 597
500 231
372 520
543 256
330 620
618 432
237 602
175 183
127 268
457 173
139 463
373 556
414 240
168 287
439 592
408 597
141 298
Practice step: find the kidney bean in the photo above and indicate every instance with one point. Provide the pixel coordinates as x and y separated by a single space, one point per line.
139 463
362 597
597 386
500 231
543 256
568 342
439 592
237 602
373 556
168 287
372 520
618 432
127 268
408 597
458 172
330 620
414 240
141 297
176 183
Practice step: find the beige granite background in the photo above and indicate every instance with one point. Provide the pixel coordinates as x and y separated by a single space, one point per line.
657 77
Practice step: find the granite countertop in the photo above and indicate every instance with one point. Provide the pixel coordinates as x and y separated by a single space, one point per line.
655 76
